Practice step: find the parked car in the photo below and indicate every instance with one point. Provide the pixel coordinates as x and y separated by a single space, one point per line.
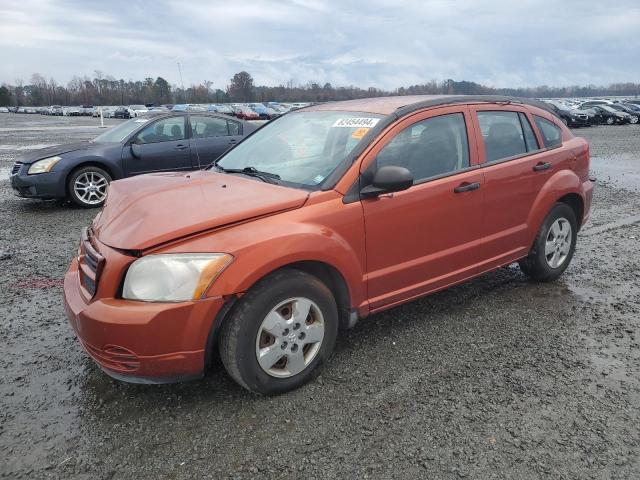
321 217
4 110
569 117
138 110
161 143
187 107
72 111
123 112
55 110
245 113
260 109
225 109
634 114
603 115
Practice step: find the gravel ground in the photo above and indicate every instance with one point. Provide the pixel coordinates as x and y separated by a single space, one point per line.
497 378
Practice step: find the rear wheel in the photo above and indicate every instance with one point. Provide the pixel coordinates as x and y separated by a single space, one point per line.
280 332
88 186
633 119
553 248
609 121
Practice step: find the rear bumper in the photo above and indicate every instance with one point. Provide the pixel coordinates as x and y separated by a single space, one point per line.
141 342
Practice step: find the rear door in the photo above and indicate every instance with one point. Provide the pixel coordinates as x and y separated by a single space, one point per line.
516 166
428 236
162 146
211 137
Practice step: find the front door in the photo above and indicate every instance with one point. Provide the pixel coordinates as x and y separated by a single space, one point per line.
162 146
429 236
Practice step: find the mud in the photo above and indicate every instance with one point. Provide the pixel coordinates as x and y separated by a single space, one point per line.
497 378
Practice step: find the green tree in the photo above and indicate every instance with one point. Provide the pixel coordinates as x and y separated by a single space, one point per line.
241 87
5 96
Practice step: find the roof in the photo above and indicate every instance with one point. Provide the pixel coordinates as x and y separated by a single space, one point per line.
404 104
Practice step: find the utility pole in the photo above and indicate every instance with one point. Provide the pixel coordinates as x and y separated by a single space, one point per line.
182 82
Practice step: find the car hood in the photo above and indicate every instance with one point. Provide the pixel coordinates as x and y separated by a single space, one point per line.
33 155
148 210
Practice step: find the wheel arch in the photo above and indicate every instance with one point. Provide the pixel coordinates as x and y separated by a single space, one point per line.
576 202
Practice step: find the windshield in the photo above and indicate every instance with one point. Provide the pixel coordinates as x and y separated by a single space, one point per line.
302 148
121 132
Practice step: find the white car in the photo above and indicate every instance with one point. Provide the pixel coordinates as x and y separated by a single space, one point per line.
136 110
4 110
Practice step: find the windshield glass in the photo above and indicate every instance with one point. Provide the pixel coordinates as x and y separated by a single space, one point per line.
303 148
121 132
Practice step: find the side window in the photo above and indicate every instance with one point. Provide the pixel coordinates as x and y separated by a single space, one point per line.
429 148
234 127
204 127
165 130
502 134
529 136
551 133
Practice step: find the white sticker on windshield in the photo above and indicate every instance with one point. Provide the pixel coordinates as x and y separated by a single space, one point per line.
141 120
356 122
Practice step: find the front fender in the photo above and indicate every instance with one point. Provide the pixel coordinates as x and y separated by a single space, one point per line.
263 246
561 183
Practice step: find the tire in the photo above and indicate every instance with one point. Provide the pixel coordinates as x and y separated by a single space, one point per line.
633 120
91 177
244 333
609 121
542 264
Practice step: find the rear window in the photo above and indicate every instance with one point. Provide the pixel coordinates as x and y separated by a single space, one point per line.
551 133
502 134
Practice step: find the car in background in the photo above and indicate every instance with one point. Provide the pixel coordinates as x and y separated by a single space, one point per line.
260 109
224 109
72 111
138 109
621 107
56 110
594 103
87 110
123 112
245 113
4 110
618 116
169 142
272 112
188 107
570 118
263 258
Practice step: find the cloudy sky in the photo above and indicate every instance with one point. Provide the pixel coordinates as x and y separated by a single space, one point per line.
380 43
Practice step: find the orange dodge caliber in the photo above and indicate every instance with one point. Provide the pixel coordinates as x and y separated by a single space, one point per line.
316 220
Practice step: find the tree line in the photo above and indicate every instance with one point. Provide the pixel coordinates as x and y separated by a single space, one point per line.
107 90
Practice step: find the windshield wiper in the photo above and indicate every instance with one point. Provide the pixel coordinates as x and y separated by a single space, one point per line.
267 177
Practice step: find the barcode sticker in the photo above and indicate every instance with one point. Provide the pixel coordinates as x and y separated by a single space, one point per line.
356 122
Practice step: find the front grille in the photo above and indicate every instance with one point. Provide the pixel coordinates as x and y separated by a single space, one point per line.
90 264
16 168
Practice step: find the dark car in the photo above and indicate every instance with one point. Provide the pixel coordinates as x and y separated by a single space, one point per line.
571 118
633 112
122 112
161 143
605 114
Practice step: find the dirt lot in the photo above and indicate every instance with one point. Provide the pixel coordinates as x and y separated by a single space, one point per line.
498 378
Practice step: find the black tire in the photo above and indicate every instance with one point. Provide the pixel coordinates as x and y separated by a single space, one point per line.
237 343
610 121
536 265
76 174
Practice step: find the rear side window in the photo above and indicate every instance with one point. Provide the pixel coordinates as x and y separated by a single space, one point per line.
529 136
551 133
430 148
205 127
502 134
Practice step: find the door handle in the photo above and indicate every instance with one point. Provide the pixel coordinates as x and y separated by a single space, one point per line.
233 140
181 147
467 187
538 167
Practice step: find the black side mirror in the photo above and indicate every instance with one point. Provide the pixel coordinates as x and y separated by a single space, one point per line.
388 179
136 150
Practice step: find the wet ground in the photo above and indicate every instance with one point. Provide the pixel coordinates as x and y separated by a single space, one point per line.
498 378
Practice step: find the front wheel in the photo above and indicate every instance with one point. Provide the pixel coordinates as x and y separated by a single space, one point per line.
88 186
280 332
609 120
633 119
553 248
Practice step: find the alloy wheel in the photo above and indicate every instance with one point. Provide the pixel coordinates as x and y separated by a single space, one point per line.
558 243
91 188
290 337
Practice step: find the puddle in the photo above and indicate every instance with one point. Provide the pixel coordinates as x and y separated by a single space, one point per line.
21 148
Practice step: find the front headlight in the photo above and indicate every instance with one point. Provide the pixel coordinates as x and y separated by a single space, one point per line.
43 166
175 277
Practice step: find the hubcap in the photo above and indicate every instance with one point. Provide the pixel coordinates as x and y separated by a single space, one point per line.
290 337
558 243
91 187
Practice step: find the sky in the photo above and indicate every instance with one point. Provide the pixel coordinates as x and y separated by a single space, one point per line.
374 43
